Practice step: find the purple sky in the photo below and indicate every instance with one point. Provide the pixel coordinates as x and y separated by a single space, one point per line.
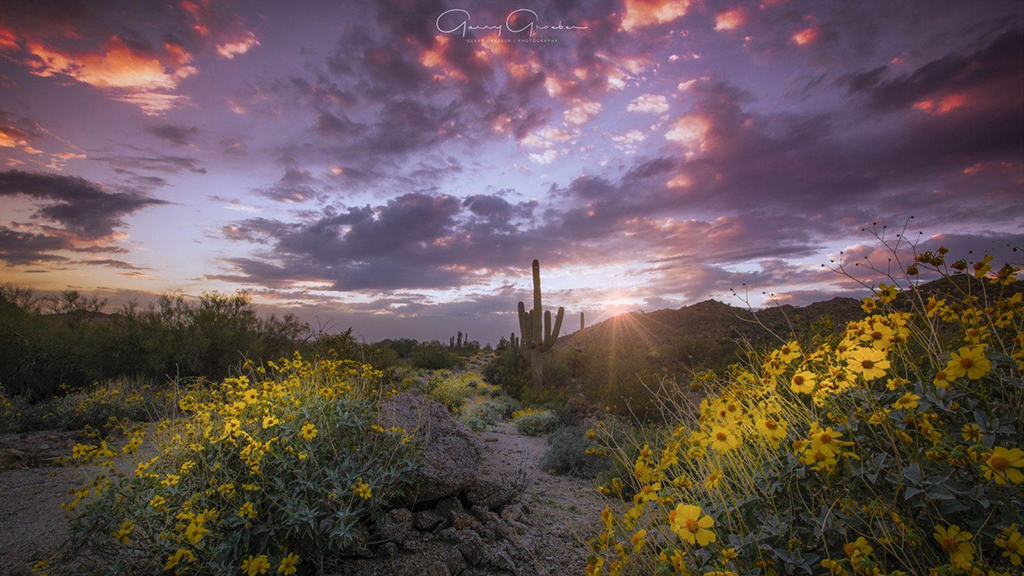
353 163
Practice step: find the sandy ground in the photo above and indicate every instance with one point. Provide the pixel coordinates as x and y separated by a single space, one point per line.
31 519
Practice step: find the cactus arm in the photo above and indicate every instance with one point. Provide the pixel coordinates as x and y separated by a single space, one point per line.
525 327
547 327
581 321
552 336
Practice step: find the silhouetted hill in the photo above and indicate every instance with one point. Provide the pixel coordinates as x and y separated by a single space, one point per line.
714 321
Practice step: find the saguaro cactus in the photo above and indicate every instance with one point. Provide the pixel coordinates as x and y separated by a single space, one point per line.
536 338
579 344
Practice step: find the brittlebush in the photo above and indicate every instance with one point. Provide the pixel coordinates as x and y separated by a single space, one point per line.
279 471
892 448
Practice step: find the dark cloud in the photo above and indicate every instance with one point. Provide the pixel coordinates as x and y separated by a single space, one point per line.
113 263
972 76
20 248
294 186
178 135
82 207
163 163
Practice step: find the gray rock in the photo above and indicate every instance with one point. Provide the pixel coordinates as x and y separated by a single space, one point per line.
513 513
456 563
450 535
498 558
482 514
462 520
437 569
449 450
388 550
448 507
490 494
396 525
11 458
471 546
429 520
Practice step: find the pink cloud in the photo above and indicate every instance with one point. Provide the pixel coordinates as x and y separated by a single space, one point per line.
640 13
238 47
730 19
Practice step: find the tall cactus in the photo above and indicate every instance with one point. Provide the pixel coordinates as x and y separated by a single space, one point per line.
535 337
578 346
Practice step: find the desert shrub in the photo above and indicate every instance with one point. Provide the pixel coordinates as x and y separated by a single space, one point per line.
280 466
894 447
453 390
545 395
47 344
434 356
482 414
101 406
570 452
536 423
509 369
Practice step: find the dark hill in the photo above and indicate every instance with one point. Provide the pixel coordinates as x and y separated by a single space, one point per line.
714 321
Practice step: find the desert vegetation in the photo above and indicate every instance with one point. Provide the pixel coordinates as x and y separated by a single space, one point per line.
880 436
892 447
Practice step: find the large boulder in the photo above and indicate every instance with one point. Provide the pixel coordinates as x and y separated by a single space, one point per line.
449 450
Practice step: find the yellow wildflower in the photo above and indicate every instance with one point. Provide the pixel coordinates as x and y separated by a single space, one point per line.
1001 465
254 565
289 564
691 526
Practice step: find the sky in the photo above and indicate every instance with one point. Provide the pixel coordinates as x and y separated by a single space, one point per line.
395 166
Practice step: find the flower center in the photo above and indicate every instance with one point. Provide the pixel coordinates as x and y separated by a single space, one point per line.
966 363
722 436
825 439
999 463
948 544
798 380
771 424
867 364
692 526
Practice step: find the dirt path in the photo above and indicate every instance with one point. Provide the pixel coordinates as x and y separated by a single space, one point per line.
563 511
33 484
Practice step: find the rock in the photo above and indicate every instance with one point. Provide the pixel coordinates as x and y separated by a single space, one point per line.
496 557
471 546
436 569
388 550
450 535
482 514
513 513
490 494
448 507
449 450
396 525
456 563
461 521
11 458
429 520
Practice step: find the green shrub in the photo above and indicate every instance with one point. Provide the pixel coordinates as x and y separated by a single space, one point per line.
508 369
568 454
434 356
68 340
103 405
537 423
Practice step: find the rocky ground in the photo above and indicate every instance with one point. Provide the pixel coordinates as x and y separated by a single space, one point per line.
489 508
